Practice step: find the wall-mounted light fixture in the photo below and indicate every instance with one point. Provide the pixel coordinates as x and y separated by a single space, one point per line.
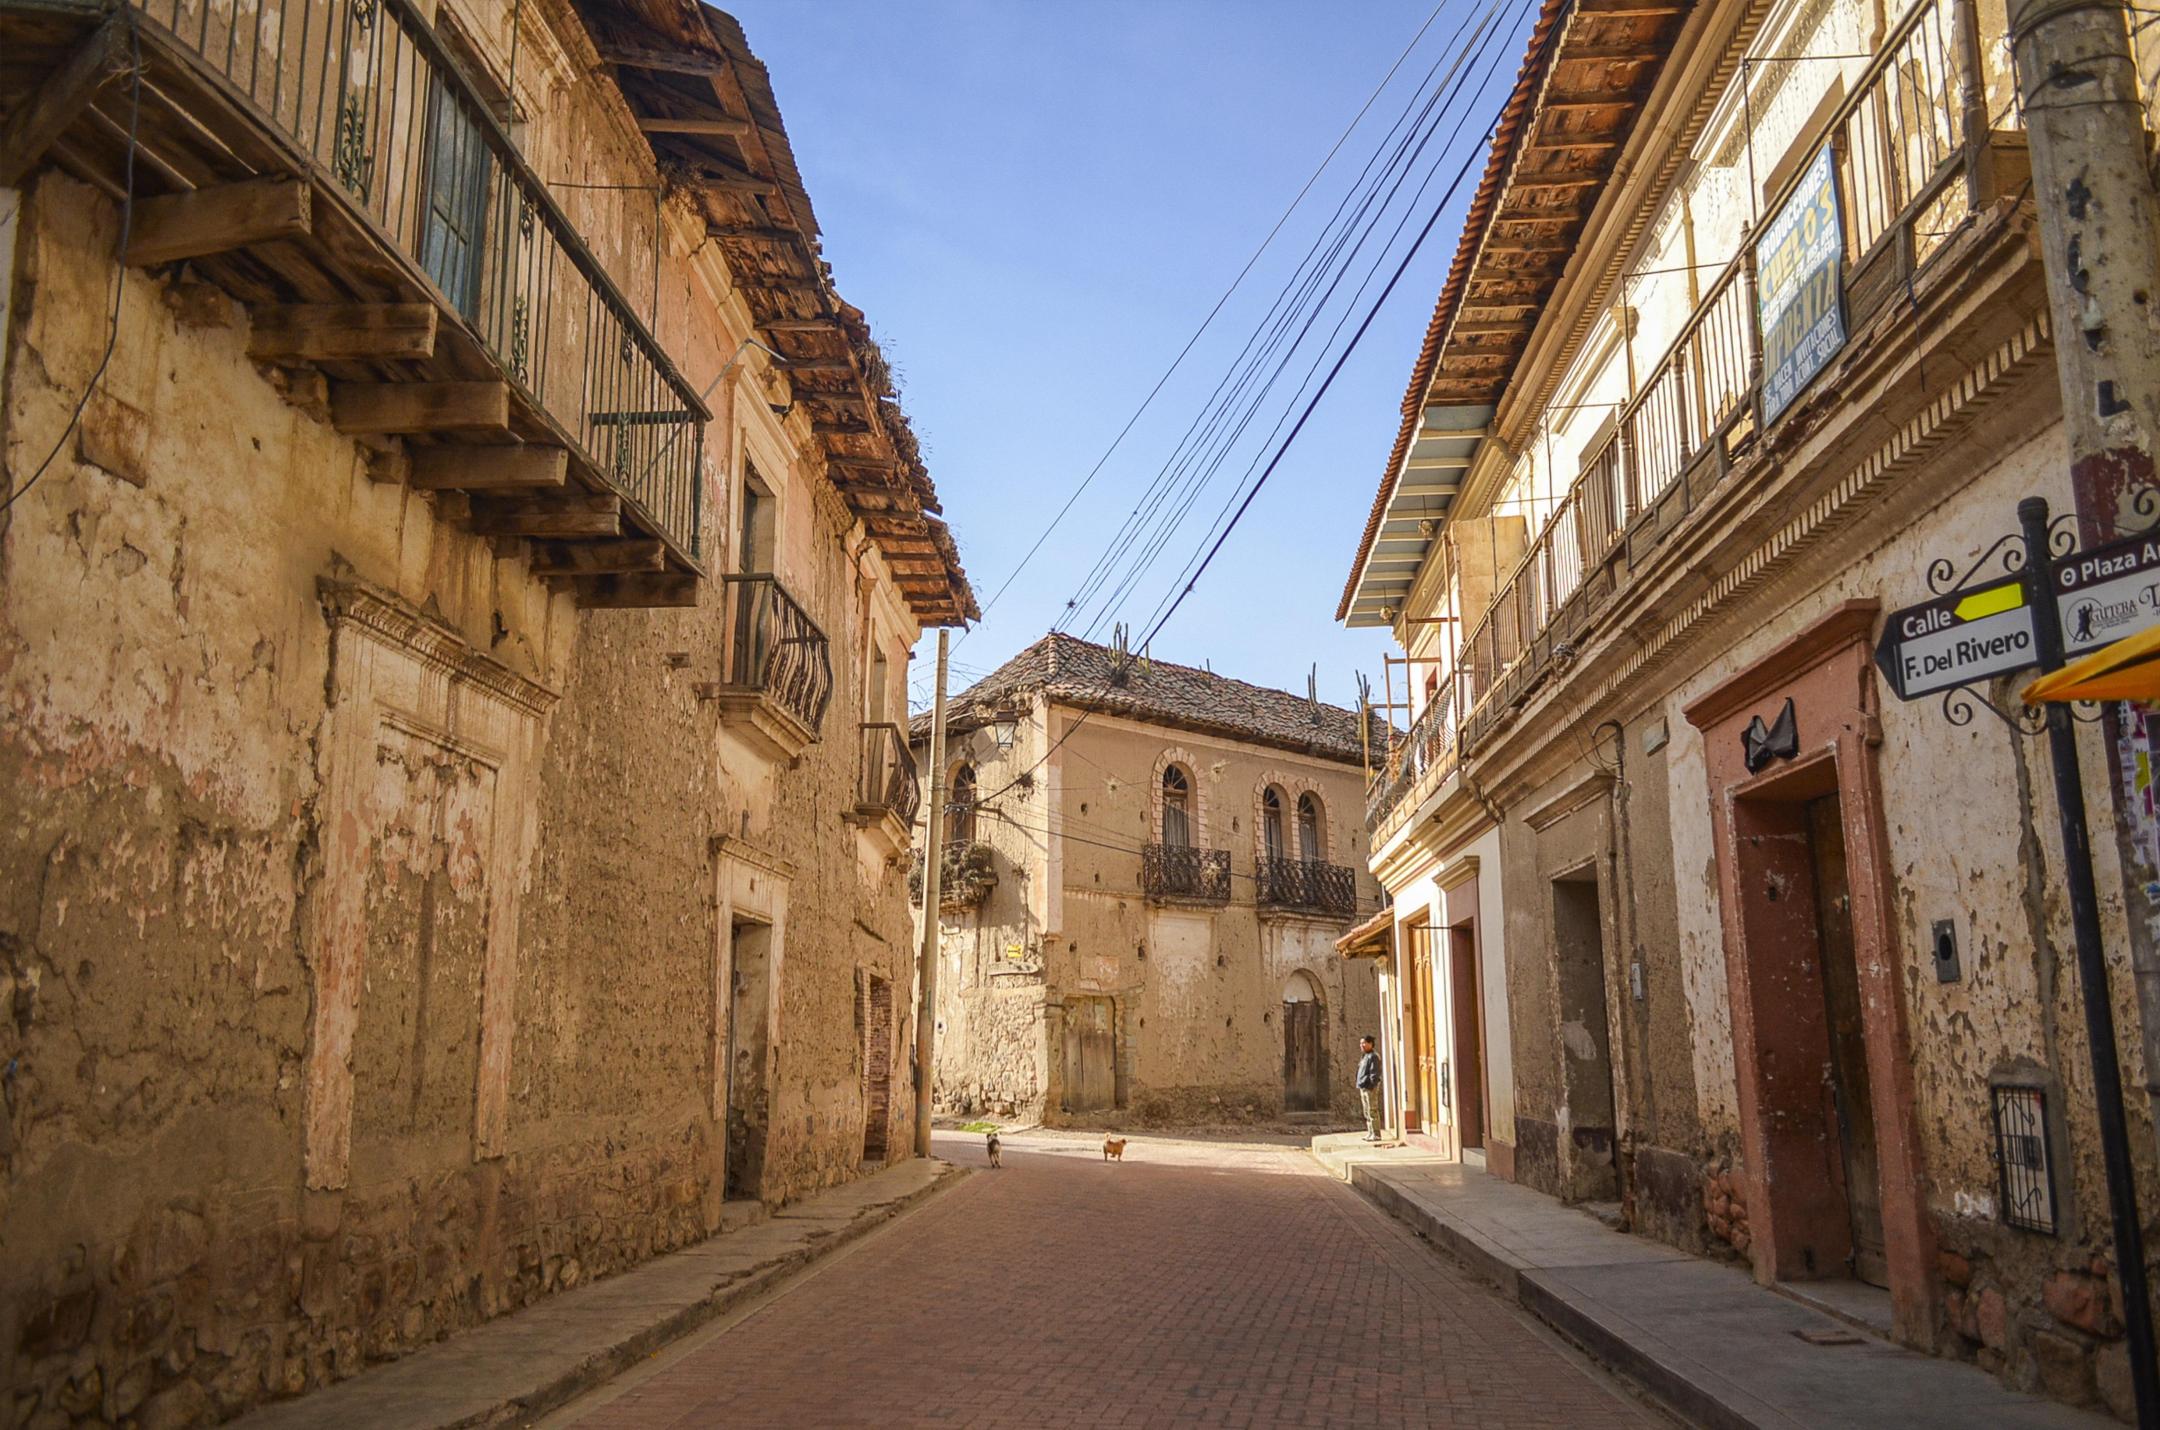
1004 726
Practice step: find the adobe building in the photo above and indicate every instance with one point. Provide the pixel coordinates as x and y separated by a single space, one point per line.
1746 345
1147 866
447 618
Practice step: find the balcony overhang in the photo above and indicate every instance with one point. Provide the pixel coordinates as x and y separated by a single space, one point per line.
1438 460
512 381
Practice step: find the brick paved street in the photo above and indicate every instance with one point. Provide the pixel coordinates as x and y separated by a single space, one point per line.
1196 1284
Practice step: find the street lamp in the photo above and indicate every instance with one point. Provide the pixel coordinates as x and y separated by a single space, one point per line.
1004 725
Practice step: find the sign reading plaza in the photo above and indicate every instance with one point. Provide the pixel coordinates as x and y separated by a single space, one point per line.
1799 300
1972 633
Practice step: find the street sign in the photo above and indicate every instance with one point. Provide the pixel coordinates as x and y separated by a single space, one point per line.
1960 636
2108 592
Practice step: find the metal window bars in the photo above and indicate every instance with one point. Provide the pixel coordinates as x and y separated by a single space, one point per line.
775 649
387 120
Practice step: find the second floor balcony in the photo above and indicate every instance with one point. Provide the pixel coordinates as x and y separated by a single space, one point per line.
333 166
777 673
1182 873
1306 886
965 879
887 791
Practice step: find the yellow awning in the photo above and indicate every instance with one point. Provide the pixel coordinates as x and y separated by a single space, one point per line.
2128 669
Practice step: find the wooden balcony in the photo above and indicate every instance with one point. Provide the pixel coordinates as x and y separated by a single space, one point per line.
887 792
778 673
331 165
1180 873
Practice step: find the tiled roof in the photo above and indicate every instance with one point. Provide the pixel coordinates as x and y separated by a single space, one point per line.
1074 672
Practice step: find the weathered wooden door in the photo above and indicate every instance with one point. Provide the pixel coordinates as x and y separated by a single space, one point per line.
1090 1054
1469 1061
1850 1094
1304 1058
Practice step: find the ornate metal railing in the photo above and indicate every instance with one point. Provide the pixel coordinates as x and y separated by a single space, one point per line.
1181 871
380 112
1903 139
775 649
1306 885
886 782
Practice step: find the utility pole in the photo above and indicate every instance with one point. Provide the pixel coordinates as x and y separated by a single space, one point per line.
2100 243
2093 978
933 867
2093 185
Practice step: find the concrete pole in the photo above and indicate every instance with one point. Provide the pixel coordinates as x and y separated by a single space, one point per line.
933 868
2100 242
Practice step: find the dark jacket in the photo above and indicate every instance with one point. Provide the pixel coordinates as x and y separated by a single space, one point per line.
1368 1070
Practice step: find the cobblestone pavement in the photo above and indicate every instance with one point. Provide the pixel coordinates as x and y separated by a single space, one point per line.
1195 1283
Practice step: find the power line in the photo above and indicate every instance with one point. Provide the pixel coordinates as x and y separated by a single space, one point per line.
1179 480
1169 529
1126 660
1206 321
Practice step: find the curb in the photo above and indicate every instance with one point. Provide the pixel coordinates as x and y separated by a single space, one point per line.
1669 1388
599 1368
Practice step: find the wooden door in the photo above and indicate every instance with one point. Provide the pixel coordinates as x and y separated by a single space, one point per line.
1090 1054
1304 1057
1422 1104
1469 1062
1851 1103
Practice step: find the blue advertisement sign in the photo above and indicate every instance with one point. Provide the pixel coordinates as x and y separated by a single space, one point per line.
1799 298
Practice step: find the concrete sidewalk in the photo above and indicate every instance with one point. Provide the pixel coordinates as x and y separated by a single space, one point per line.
1701 1337
513 1368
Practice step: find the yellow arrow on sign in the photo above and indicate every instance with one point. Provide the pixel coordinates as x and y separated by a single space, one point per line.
1991 602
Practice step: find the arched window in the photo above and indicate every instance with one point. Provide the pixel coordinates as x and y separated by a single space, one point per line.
1271 823
960 811
1308 829
1176 807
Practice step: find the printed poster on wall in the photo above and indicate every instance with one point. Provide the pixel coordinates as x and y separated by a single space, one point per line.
1799 300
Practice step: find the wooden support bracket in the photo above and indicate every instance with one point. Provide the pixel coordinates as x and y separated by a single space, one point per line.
55 104
555 514
726 125
219 219
342 332
597 558
488 469
358 407
644 590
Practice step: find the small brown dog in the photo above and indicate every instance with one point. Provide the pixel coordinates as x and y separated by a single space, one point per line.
994 1145
1113 1149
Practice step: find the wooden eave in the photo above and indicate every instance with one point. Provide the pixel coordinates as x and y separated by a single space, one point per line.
705 105
1585 80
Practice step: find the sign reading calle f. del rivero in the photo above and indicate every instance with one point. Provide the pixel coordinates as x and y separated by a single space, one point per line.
1799 300
1969 634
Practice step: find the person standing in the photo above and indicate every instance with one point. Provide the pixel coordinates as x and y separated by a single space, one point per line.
1368 1087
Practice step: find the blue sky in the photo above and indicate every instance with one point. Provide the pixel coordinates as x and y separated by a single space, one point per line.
1037 204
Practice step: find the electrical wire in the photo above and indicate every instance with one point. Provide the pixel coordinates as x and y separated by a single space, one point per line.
1126 660
127 228
1175 362
1138 540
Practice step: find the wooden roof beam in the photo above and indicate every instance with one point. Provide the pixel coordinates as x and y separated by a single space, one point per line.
725 125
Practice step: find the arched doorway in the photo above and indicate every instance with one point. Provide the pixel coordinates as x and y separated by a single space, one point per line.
1304 1045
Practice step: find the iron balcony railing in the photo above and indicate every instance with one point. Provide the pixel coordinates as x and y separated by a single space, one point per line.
886 783
382 114
775 650
1306 885
1903 139
1182 871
